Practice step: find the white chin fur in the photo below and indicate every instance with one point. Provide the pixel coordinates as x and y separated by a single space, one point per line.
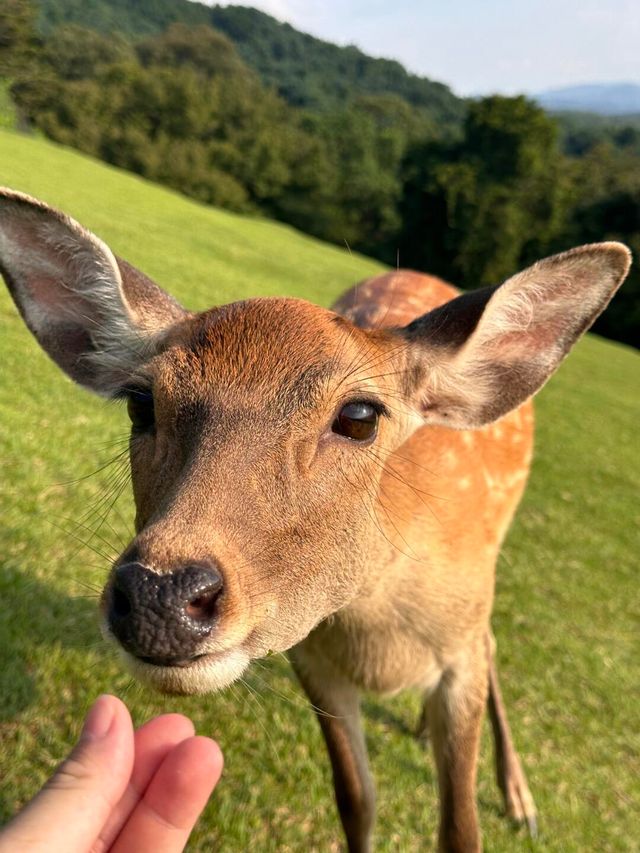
206 675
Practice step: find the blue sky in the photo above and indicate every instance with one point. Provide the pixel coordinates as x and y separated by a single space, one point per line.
481 46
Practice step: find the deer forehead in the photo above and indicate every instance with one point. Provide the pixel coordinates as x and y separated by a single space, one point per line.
282 355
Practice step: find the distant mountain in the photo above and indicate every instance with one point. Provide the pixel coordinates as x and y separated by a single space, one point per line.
610 99
306 71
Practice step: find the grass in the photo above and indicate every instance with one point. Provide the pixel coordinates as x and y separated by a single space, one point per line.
567 604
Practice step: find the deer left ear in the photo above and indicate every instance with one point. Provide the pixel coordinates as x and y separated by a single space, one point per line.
94 314
476 358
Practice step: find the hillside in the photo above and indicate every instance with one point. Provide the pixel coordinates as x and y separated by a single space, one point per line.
306 71
567 587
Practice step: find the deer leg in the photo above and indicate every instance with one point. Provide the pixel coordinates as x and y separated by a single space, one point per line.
422 726
454 715
336 703
518 801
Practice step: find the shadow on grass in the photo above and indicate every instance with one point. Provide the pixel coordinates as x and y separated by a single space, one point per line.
34 614
372 709
384 716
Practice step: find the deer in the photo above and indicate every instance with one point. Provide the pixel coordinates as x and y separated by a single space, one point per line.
335 484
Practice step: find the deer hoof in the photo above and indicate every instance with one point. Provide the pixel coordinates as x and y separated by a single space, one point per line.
518 801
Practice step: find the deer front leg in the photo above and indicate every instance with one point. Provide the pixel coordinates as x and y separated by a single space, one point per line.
454 715
518 801
336 703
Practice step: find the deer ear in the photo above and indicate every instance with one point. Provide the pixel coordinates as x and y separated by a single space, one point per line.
484 353
95 315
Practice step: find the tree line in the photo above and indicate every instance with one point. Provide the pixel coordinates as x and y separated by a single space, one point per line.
471 197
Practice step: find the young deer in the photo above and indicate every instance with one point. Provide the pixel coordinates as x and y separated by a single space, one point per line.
332 483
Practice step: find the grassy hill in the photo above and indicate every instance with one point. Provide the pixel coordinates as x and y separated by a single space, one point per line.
566 614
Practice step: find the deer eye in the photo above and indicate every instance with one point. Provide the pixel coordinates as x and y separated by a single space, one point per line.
140 409
357 421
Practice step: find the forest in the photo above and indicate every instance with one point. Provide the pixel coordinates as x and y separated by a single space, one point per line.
232 108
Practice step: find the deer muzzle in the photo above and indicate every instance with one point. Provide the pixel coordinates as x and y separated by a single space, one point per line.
163 619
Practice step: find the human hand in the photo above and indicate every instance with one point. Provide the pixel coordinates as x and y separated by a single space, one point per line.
119 790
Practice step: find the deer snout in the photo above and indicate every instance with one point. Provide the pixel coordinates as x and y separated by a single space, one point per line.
163 618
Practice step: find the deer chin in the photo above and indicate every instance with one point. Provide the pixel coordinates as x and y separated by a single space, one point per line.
206 674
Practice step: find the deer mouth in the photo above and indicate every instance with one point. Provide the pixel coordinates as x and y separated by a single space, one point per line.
181 662
203 673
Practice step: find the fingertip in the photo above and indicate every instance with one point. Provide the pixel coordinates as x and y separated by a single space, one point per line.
105 716
176 724
181 787
208 754
154 741
199 758
107 740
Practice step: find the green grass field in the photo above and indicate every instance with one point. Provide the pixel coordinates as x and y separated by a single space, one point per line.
567 604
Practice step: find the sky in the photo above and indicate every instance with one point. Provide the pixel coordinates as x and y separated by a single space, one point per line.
482 46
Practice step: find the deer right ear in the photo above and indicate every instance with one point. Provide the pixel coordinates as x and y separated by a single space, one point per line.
481 355
96 316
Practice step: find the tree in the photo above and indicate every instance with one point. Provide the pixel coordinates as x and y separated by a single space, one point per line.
77 53
605 205
473 210
202 49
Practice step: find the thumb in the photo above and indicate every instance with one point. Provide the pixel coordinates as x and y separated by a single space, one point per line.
69 812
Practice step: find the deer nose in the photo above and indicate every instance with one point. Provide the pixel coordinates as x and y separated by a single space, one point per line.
163 618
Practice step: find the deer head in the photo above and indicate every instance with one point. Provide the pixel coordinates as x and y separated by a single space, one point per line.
259 429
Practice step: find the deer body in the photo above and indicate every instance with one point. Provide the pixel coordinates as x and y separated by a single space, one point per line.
335 484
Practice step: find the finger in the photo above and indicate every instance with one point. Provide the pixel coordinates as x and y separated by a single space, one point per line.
153 742
164 818
69 812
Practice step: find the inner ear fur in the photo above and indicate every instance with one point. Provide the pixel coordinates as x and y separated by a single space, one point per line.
479 356
94 314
